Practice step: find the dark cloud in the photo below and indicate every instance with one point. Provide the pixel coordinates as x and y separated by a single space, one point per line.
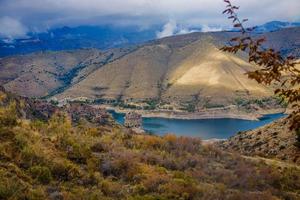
40 15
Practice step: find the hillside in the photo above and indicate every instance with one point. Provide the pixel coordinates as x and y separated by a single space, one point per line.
181 71
40 74
57 159
274 140
181 74
185 72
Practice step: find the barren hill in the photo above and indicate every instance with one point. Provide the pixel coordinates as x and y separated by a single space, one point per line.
40 74
159 71
181 70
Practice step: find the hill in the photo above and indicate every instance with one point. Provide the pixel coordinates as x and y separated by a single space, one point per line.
172 74
274 140
185 72
39 74
181 71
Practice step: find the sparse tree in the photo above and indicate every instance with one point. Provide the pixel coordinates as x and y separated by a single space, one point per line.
276 69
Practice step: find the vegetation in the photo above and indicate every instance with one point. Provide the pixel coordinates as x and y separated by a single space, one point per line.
57 160
190 107
152 104
262 103
275 68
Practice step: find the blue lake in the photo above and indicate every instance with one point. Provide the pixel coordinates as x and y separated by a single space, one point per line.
203 128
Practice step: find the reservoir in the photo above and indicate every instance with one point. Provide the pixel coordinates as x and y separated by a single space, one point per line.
203 128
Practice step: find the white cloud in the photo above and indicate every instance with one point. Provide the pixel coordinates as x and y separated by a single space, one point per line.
206 28
169 29
11 28
172 28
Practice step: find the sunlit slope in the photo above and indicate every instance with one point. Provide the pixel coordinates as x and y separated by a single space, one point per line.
172 73
212 74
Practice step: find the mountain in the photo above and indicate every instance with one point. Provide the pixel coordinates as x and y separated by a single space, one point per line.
172 70
101 37
187 69
185 72
67 38
275 26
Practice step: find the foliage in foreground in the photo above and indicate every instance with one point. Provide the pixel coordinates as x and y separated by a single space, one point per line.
57 160
275 69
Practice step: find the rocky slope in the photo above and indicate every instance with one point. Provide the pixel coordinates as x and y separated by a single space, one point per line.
275 140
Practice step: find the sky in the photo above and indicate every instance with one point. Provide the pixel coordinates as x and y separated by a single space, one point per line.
18 17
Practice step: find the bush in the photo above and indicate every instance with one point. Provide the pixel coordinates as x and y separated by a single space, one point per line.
41 173
297 144
78 153
11 186
30 157
65 171
111 188
147 197
190 107
8 116
180 189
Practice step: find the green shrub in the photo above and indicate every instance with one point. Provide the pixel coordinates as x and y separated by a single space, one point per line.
30 157
190 107
41 173
147 197
8 116
36 194
10 186
65 171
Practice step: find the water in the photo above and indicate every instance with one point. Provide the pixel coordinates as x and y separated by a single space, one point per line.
203 128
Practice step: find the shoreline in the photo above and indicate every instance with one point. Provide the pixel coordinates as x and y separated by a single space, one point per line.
208 114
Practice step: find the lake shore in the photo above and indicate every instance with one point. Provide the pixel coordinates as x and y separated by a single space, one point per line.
229 113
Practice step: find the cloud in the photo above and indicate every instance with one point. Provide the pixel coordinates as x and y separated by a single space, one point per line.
11 28
206 28
43 14
169 29
172 28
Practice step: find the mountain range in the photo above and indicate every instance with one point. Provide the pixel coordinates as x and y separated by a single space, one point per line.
176 72
100 37
275 26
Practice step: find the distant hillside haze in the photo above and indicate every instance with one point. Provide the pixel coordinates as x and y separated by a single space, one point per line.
66 38
275 25
100 37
